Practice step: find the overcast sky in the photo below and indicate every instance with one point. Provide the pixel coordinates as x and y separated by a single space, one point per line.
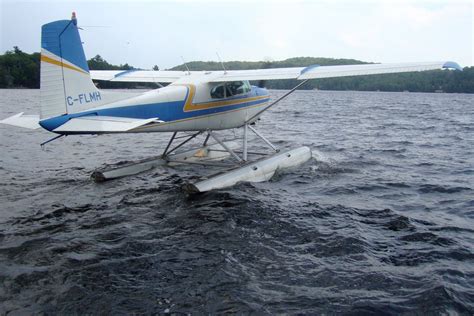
145 33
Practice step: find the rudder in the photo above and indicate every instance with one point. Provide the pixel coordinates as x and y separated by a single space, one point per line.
66 85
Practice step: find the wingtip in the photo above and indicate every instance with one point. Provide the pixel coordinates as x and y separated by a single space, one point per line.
311 67
452 65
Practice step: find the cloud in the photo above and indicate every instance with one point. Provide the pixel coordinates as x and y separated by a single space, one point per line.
408 14
159 32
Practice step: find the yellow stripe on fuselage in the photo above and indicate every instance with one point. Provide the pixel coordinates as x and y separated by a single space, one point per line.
190 106
50 60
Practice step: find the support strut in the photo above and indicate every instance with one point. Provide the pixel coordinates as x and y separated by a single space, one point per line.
225 146
244 149
264 139
169 144
167 152
276 101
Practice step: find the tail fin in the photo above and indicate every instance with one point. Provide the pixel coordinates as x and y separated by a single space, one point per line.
66 85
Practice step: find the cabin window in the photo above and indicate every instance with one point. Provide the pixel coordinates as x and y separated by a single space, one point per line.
218 92
237 87
229 89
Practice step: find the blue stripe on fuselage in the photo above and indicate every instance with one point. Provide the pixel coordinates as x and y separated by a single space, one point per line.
166 111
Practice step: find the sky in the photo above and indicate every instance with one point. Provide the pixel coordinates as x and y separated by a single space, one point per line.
147 33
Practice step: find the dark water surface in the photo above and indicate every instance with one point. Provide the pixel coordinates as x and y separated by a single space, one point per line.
380 221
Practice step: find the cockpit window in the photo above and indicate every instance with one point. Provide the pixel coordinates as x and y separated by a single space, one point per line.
229 89
218 92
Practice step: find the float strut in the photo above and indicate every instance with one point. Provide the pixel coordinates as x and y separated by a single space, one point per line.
206 140
244 150
264 139
169 144
184 142
225 146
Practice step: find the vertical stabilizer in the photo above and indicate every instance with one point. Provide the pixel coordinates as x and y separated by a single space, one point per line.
66 85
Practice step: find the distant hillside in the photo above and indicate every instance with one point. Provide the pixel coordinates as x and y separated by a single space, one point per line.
290 62
21 70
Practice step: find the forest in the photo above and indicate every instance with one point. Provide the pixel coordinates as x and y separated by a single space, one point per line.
22 70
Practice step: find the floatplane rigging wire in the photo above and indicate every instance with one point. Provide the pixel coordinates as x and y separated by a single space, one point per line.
196 102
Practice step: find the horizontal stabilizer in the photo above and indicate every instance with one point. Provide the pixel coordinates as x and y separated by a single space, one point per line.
103 124
26 121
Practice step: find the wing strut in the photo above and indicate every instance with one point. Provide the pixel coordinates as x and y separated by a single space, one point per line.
276 101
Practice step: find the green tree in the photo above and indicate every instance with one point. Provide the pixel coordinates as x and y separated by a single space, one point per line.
19 69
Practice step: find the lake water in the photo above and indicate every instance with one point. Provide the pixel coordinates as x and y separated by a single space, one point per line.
381 220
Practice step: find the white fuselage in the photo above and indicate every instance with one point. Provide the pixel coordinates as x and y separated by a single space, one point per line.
186 105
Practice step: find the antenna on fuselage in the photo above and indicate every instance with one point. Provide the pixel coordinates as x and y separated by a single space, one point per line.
186 65
222 64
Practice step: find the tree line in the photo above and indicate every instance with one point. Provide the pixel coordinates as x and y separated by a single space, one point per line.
22 70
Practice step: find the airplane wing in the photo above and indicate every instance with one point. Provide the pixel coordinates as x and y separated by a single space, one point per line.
316 71
103 124
300 73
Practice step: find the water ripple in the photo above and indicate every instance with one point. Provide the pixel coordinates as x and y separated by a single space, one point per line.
378 222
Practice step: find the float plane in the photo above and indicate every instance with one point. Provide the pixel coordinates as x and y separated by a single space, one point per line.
193 104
